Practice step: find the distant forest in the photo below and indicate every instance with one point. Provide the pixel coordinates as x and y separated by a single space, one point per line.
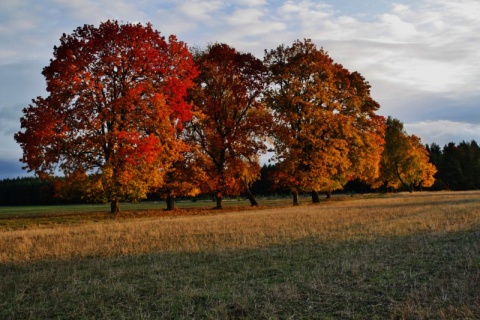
458 169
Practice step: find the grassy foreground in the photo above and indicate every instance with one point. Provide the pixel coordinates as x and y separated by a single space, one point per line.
402 257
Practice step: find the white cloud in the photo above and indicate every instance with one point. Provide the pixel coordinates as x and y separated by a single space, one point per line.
428 47
251 22
398 29
252 3
201 11
442 132
420 57
245 16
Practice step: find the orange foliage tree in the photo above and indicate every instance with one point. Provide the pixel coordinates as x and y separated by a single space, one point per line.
115 105
230 122
405 161
326 130
183 179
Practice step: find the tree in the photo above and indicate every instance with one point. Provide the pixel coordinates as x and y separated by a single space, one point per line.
115 104
26 191
183 179
459 165
264 185
405 161
469 153
326 129
424 177
450 169
230 122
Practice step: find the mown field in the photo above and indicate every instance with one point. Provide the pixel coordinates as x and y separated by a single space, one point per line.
401 256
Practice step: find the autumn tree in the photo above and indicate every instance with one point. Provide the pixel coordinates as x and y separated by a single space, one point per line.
326 129
230 122
115 104
183 179
405 161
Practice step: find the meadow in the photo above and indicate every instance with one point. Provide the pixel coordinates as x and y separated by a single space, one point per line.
398 256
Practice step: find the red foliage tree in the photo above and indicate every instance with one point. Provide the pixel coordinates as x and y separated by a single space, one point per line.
230 122
115 105
184 178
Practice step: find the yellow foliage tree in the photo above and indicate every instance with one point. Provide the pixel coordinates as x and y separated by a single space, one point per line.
405 161
326 129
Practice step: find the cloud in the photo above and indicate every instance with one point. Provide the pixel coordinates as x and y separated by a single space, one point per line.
442 132
201 11
410 105
9 125
427 46
250 29
93 12
11 169
420 57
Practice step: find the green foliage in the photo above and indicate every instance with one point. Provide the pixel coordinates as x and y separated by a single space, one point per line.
458 165
27 191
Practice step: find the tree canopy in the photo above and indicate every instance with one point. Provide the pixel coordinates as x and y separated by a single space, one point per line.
326 130
130 113
230 120
405 161
116 101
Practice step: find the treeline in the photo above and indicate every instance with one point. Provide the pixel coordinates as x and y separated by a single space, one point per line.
28 191
130 115
458 165
458 168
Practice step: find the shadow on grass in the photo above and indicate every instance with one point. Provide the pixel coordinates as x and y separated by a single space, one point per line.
419 276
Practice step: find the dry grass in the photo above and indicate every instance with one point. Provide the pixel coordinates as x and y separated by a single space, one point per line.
356 219
399 257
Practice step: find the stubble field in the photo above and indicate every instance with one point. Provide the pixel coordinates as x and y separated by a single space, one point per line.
402 256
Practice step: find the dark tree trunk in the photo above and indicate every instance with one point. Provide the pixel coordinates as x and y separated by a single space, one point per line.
315 197
328 194
295 198
251 198
114 207
170 202
219 202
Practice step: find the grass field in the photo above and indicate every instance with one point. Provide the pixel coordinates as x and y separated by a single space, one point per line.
403 256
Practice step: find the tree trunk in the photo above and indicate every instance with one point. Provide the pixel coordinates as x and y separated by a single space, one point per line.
328 195
295 198
253 201
315 197
219 202
170 202
114 207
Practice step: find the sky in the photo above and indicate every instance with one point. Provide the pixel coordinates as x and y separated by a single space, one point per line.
421 58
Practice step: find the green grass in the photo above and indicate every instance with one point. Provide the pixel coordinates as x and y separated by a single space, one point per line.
416 277
31 211
23 217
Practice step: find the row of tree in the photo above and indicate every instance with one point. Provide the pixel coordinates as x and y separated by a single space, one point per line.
130 113
458 165
458 169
